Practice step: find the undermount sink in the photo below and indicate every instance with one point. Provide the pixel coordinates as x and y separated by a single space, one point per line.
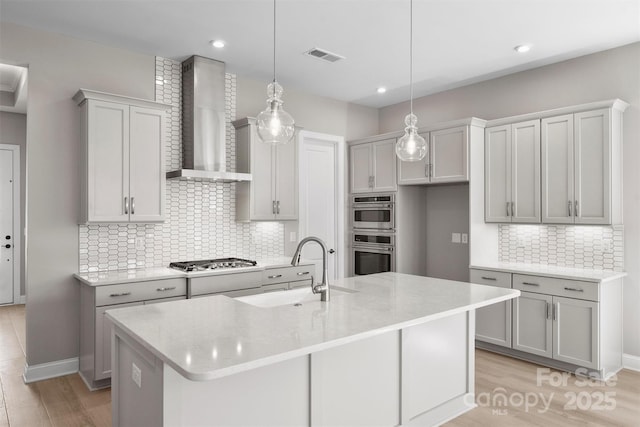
293 297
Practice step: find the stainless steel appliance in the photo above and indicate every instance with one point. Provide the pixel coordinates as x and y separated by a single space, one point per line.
373 212
372 252
212 264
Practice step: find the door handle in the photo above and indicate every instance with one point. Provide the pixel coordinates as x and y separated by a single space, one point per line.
488 278
121 294
512 209
569 207
548 315
278 207
273 207
508 209
170 288
126 206
276 276
555 311
576 208
573 289
133 205
303 273
530 284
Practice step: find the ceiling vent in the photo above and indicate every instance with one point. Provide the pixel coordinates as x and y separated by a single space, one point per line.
325 55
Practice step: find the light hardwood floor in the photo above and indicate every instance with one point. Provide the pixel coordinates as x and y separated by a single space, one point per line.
65 401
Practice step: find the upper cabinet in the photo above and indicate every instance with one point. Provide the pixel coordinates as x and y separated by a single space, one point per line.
512 173
447 161
372 166
582 167
122 166
272 194
557 167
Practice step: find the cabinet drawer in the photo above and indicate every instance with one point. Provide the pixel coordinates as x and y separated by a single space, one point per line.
216 284
287 274
140 291
491 278
552 286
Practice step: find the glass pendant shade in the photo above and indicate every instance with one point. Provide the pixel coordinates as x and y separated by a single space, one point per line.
411 147
275 126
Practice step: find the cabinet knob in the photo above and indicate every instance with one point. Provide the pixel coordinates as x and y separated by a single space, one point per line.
7 237
7 246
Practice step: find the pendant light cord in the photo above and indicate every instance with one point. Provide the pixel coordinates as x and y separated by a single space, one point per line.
410 56
274 41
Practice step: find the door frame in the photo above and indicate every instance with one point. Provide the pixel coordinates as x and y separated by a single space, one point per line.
17 236
340 149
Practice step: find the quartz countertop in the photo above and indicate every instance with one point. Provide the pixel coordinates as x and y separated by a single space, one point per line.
216 336
552 271
113 277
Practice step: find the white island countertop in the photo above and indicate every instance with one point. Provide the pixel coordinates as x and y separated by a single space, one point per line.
212 337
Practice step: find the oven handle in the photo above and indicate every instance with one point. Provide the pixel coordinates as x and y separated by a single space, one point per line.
372 206
382 249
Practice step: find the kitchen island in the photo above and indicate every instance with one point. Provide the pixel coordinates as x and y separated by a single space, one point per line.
388 349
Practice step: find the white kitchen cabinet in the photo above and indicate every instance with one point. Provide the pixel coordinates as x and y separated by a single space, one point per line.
95 329
272 194
372 166
493 323
447 160
532 328
512 173
560 322
122 166
582 167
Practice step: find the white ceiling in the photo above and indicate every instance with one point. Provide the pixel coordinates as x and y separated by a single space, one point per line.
457 42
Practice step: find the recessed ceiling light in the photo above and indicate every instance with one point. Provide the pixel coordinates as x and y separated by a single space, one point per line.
381 89
217 43
522 48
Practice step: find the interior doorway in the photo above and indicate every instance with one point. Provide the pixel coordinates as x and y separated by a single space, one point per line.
321 202
9 224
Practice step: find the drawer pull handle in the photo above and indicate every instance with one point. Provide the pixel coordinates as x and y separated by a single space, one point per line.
488 278
573 289
303 273
530 284
121 294
170 288
277 276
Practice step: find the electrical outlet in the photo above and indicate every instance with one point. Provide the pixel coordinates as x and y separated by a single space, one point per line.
455 237
465 238
136 375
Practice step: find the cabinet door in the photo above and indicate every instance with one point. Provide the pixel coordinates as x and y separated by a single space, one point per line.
384 165
414 172
525 172
557 170
493 323
449 155
262 184
592 135
497 174
532 327
146 165
107 161
360 165
286 181
575 331
103 340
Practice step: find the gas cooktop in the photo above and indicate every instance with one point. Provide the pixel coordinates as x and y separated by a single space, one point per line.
212 264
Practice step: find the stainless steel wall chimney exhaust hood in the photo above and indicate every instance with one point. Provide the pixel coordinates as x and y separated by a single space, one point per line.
204 123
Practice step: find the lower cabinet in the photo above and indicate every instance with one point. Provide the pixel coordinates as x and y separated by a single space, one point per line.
286 278
95 330
564 323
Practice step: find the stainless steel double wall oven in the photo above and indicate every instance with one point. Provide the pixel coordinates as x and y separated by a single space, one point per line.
373 233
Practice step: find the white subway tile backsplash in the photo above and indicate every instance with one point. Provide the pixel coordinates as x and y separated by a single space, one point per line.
200 216
591 247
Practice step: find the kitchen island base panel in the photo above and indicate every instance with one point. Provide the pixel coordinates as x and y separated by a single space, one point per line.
359 383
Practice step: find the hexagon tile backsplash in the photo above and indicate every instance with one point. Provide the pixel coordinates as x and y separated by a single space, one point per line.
590 247
200 216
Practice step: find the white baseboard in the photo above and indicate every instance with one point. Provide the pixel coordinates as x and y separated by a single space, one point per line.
630 361
44 371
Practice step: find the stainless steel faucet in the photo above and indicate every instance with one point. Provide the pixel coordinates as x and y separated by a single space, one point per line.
322 288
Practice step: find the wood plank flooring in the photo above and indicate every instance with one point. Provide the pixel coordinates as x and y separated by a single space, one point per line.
65 401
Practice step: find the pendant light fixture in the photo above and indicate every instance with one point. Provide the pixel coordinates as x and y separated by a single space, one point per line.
275 126
411 147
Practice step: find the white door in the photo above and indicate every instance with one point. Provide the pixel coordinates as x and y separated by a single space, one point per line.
557 170
321 207
525 172
575 332
414 172
449 155
497 174
8 203
384 165
286 183
532 324
360 165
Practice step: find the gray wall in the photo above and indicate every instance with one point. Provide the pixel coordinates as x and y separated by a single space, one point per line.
447 212
13 131
58 67
606 75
